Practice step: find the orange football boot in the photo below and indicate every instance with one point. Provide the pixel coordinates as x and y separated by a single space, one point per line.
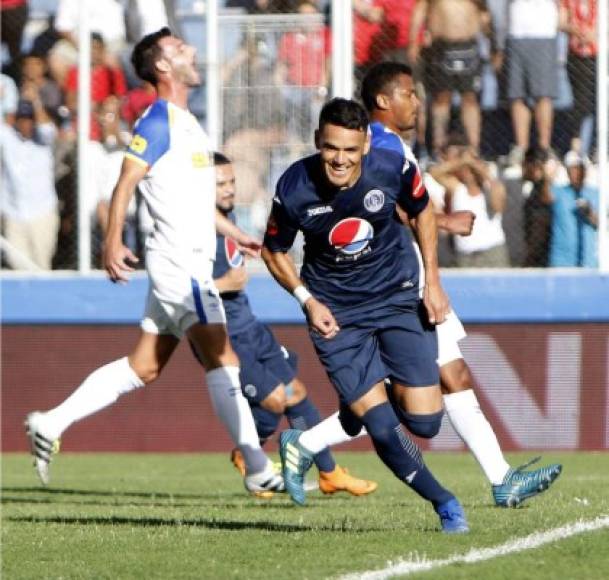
341 480
237 460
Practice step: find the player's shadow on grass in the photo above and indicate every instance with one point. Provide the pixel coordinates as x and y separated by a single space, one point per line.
213 524
106 493
55 496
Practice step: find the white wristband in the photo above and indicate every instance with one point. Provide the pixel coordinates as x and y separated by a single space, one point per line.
301 294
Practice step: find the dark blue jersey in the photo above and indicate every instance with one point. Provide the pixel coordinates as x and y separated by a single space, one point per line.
239 315
353 255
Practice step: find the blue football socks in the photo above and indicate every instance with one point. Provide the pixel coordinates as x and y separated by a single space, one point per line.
401 454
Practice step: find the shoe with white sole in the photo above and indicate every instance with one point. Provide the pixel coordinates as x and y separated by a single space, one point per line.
43 445
265 484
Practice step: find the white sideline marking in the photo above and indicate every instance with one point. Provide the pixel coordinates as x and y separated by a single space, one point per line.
530 542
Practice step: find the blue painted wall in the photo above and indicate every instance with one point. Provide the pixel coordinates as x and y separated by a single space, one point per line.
503 297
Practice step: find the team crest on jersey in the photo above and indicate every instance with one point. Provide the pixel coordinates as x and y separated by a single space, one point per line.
374 200
351 236
233 256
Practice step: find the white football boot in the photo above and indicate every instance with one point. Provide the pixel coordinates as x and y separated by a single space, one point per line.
265 483
42 444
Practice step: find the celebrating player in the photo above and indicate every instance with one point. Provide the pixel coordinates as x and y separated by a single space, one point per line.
170 158
268 371
388 94
361 295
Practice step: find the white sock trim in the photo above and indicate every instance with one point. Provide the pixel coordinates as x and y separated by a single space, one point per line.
460 400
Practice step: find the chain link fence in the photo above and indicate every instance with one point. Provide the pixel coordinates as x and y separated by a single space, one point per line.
506 125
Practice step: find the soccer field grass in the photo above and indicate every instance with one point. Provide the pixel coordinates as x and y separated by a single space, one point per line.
187 516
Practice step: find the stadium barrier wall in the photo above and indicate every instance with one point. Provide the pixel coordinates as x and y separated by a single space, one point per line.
543 385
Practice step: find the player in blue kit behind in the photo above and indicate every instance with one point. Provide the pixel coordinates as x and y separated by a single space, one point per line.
388 94
359 289
268 370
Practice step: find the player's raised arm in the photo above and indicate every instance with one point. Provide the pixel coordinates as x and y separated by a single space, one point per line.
116 254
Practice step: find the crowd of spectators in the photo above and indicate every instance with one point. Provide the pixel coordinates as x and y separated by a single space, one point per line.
501 83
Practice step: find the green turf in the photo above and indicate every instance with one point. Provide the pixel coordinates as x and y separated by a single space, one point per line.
187 516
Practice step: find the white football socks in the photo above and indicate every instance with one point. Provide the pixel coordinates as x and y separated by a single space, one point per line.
99 390
471 425
233 410
326 434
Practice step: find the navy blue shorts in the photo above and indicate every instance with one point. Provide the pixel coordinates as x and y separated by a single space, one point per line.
264 362
393 341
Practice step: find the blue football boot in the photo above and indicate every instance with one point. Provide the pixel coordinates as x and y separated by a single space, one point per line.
295 462
452 517
519 484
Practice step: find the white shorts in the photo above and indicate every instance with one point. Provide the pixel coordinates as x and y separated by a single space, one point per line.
449 333
177 299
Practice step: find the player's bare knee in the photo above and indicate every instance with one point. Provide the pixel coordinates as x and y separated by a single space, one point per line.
295 392
147 371
455 377
276 400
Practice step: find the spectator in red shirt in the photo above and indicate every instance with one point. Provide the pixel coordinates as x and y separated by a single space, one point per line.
303 54
579 20
107 80
303 73
382 30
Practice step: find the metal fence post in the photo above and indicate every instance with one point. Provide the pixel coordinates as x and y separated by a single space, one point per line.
603 132
342 48
212 81
84 126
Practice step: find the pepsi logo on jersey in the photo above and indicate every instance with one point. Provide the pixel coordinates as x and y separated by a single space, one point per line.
233 256
351 237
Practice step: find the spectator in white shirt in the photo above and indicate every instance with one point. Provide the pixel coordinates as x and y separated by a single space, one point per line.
29 209
471 186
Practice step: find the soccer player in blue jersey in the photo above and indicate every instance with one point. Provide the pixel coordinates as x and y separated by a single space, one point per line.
358 287
268 370
170 158
388 94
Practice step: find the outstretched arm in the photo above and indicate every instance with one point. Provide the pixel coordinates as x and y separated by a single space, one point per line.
247 244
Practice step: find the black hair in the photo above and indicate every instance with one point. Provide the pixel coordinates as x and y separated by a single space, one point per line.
535 154
378 79
145 54
343 113
221 159
96 36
